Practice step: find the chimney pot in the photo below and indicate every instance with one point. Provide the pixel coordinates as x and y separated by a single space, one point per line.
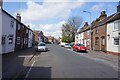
18 17
1 3
103 15
118 7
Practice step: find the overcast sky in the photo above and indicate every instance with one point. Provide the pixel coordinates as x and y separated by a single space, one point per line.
49 16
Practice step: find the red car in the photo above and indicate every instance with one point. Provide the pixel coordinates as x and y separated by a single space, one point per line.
79 47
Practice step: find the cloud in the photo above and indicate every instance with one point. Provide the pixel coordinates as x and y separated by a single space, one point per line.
98 7
49 29
48 10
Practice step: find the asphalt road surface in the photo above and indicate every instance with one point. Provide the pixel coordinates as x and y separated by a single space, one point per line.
61 63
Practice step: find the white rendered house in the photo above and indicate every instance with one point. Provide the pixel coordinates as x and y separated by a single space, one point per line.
8 32
30 38
113 37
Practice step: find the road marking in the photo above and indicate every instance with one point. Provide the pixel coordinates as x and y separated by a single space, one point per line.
25 56
29 70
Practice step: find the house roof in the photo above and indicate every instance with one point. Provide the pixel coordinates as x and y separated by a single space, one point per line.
99 22
15 19
114 17
84 28
108 19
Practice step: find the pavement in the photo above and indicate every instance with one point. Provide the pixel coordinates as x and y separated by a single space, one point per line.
58 62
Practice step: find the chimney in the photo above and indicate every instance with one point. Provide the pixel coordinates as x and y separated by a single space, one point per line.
28 26
1 4
118 7
86 23
103 15
18 17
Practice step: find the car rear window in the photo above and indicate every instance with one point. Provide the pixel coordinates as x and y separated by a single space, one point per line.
41 45
80 45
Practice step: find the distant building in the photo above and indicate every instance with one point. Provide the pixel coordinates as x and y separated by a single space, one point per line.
83 36
50 39
39 36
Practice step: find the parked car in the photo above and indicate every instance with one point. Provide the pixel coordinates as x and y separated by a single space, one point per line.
72 44
62 44
67 45
42 47
79 47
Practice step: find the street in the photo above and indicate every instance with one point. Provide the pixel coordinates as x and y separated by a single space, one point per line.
58 62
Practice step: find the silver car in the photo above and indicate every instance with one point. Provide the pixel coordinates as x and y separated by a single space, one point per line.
42 47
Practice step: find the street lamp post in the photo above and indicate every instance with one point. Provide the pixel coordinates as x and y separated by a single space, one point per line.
90 28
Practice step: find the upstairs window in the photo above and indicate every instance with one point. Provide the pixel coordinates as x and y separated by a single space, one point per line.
27 31
12 24
117 25
97 41
88 33
96 30
18 27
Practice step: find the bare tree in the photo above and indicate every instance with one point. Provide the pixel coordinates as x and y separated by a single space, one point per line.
75 22
69 29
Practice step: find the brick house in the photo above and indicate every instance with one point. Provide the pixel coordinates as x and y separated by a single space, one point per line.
39 37
98 34
22 34
50 39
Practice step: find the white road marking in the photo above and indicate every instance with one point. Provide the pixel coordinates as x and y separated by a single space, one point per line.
29 70
25 56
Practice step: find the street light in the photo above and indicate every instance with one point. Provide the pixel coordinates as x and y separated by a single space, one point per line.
90 27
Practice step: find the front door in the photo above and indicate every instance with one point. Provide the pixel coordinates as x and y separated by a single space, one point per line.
103 43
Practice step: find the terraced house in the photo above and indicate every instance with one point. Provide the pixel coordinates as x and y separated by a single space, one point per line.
113 33
15 34
98 33
83 36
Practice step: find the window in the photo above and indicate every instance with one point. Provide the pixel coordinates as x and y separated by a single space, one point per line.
12 24
116 41
18 26
27 31
116 26
96 31
97 41
10 40
3 40
88 41
18 40
103 40
87 32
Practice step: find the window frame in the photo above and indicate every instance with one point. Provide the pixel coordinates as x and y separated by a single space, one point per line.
3 40
10 39
11 23
118 41
97 41
19 27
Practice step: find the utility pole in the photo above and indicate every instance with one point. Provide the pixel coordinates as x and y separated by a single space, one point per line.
90 28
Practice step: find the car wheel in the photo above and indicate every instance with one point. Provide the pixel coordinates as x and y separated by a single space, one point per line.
76 50
73 49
